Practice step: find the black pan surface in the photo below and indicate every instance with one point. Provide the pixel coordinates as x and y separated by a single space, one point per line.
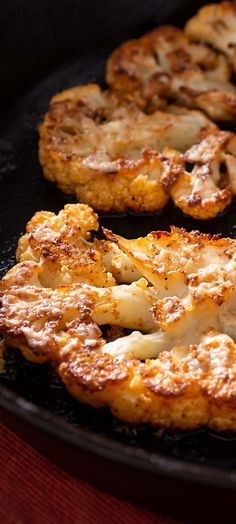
33 401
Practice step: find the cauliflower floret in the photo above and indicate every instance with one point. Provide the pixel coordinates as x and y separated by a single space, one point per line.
165 63
105 150
60 243
72 225
215 24
206 188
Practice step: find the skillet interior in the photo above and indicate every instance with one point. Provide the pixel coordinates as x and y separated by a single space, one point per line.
24 191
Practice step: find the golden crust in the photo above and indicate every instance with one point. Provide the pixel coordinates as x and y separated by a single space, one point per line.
183 395
124 175
215 24
167 392
133 69
181 373
206 188
60 243
105 152
62 252
88 146
166 63
165 257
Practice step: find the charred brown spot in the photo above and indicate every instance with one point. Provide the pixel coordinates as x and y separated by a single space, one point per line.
194 199
92 371
180 60
158 386
168 310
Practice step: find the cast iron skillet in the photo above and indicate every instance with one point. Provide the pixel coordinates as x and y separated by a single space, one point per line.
45 48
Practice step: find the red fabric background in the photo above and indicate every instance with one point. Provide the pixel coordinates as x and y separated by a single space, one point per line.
35 491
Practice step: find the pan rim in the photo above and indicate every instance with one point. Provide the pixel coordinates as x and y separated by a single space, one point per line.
115 451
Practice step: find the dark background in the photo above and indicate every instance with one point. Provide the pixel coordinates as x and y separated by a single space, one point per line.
38 36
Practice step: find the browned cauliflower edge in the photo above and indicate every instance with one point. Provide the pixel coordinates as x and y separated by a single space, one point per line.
177 367
215 24
107 153
165 63
202 181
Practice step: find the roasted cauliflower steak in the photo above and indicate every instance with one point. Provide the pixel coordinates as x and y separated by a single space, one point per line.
106 151
176 365
215 24
131 147
165 63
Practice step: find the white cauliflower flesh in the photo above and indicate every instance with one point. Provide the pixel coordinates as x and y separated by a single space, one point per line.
105 150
